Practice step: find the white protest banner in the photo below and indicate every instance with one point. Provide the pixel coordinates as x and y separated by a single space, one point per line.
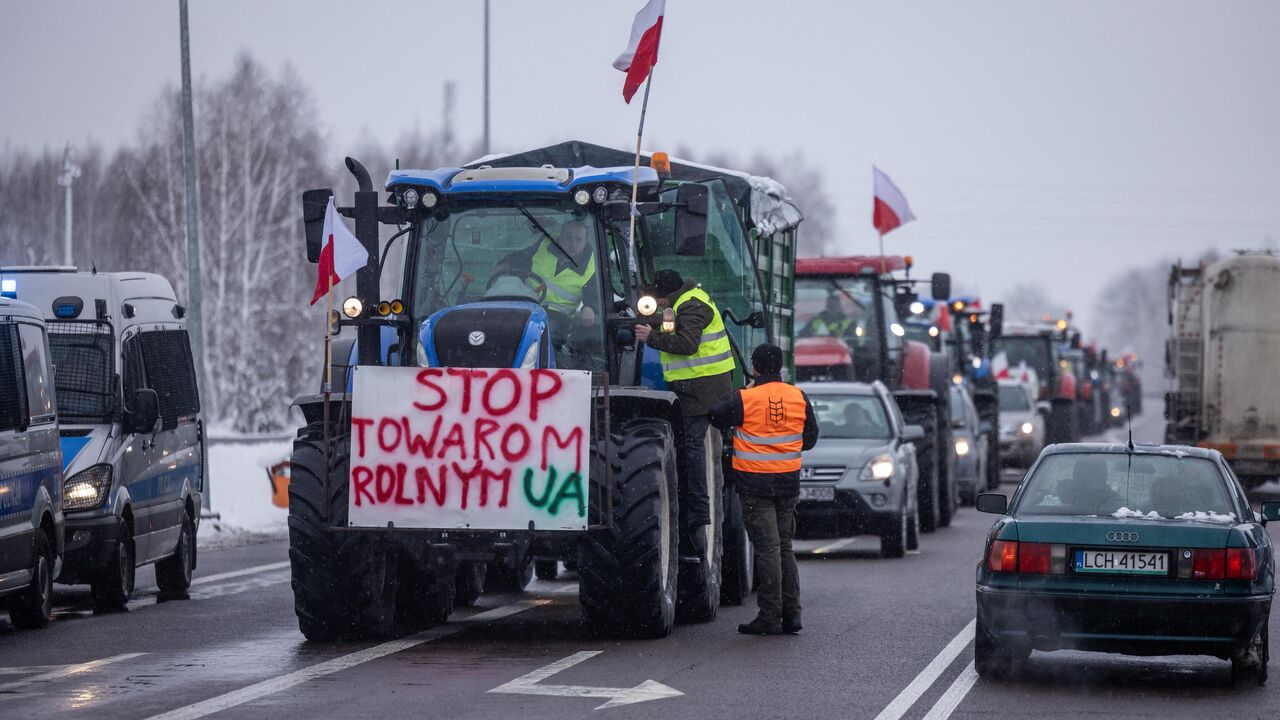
455 448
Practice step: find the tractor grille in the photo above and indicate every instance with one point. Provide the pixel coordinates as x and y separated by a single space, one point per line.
503 329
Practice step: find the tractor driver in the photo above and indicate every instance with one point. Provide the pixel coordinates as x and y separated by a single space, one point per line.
697 364
566 266
831 322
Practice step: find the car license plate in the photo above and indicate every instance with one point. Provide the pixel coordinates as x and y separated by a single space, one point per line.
1122 561
817 493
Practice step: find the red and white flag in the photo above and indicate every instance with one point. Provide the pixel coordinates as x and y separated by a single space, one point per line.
642 50
341 255
892 210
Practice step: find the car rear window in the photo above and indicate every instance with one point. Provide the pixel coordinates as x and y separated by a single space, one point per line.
851 417
1123 485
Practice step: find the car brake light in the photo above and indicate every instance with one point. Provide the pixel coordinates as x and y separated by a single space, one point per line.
1241 564
1033 558
1208 564
1003 556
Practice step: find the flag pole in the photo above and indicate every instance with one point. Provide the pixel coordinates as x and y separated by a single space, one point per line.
883 261
328 384
635 182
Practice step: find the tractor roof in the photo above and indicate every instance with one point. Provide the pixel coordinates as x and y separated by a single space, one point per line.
545 179
851 265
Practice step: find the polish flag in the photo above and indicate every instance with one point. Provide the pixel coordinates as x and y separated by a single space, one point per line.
642 50
1000 366
892 210
341 255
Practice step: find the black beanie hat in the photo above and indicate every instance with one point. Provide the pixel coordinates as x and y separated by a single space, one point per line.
766 359
666 281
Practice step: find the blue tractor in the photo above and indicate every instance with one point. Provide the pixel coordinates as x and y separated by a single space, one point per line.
525 263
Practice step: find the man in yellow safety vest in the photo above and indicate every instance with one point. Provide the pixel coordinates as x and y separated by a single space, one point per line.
697 364
566 267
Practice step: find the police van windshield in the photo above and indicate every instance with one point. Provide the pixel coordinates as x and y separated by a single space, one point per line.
534 251
82 366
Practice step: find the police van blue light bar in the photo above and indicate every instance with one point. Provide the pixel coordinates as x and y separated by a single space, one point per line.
9 288
67 307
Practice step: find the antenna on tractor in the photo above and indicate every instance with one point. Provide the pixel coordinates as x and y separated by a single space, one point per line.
1128 420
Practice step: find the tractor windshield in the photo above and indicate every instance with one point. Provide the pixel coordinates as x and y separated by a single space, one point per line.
843 307
542 252
1033 350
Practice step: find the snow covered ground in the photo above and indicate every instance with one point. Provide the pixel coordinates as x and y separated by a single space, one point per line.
240 492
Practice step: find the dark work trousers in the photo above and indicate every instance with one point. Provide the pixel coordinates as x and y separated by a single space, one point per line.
695 508
771 525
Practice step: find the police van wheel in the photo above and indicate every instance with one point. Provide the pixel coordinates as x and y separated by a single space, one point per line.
173 574
33 607
699 584
344 584
628 573
113 588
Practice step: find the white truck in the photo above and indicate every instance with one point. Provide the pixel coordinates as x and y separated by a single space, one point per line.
1221 356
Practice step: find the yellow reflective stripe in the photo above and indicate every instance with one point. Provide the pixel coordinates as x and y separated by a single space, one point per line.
766 456
697 361
774 440
708 337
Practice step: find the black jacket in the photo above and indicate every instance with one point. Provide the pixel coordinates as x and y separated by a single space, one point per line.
728 413
698 394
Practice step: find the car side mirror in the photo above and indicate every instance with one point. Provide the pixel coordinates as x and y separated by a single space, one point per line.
993 503
691 220
314 203
144 410
940 286
996 321
958 423
1270 511
912 433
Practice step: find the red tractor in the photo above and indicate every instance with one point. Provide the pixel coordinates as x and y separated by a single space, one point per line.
1040 348
847 328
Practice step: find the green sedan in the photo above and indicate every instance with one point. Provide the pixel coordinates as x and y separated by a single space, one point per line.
1142 550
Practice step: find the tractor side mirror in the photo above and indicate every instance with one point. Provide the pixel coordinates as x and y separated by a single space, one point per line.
940 286
691 220
144 410
314 203
997 321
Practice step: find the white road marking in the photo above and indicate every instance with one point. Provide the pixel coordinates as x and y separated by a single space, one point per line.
67 671
951 699
238 573
837 545
928 676
528 685
244 695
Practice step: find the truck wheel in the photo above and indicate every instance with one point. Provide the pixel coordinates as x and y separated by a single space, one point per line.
546 569
893 535
33 606
738 561
344 583
927 459
114 586
469 583
173 574
700 584
628 572
948 487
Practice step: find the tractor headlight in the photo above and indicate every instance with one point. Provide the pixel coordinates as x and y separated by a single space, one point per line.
933 331
880 468
429 199
977 363
962 447
897 329
422 356
957 379
600 195
352 307
530 356
410 198
1115 412
86 489
646 305
1027 428
917 308
582 197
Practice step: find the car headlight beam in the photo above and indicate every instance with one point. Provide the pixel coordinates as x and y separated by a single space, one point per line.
962 446
1027 428
881 467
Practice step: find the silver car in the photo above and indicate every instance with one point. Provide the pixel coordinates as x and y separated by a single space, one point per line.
861 477
1022 424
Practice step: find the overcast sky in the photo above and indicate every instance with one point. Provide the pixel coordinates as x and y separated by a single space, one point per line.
1035 141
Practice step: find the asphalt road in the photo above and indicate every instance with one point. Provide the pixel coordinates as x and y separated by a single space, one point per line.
883 639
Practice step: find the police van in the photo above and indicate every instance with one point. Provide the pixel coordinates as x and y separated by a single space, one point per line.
31 522
131 431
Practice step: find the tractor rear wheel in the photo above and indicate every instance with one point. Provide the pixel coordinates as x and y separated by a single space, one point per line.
628 572
927 460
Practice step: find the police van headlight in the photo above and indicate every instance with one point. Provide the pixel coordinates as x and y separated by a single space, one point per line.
880 468
86 489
